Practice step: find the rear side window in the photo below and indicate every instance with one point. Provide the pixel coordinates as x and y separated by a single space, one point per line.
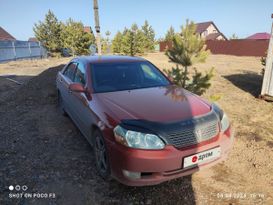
80 74
70 71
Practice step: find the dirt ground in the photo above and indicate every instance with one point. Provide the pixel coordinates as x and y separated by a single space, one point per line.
43 150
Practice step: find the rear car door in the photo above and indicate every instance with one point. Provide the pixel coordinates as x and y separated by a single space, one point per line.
64 80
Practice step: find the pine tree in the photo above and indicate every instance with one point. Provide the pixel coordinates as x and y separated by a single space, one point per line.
117 43
106 42
200 83
128 43
48 32
170 34
75 39
149 34
132 41
188 49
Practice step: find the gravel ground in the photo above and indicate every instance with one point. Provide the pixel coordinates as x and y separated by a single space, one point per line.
43 150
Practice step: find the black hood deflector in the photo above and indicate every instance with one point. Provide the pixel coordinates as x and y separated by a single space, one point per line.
164 129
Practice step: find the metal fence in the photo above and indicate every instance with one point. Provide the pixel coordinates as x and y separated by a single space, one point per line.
241 47
14 50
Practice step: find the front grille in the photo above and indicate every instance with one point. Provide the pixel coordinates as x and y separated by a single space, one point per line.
199 130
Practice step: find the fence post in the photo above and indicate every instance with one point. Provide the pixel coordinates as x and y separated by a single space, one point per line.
268 66
29 49
41 52
14 50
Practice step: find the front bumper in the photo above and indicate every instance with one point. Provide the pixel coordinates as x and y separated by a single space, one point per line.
157 166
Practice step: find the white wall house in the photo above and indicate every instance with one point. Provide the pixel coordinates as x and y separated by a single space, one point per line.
209 31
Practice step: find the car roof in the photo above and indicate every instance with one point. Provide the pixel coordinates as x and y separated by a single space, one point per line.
108 59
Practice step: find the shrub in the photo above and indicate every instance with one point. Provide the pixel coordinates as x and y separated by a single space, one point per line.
188 49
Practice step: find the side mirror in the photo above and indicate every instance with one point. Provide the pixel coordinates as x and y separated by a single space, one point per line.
76 87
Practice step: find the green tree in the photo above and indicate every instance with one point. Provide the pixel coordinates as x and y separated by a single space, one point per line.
132 41
149 33
48 32
106 42
117 43
189 48
75 39
170 34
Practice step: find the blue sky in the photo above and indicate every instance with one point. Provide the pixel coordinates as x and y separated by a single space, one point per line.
241 17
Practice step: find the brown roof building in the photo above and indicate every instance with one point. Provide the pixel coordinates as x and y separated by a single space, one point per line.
33 39
209 31
5 36
259 36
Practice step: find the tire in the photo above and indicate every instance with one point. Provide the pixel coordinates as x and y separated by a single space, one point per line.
61 105
101 155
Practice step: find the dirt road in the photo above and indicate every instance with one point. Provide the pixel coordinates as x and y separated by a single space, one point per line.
43 150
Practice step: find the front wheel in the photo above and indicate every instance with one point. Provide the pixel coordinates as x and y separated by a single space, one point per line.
101 157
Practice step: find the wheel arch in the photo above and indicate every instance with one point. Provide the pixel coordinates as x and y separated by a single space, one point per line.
94 128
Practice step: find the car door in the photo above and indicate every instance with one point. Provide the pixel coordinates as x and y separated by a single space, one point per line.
81 102
67 77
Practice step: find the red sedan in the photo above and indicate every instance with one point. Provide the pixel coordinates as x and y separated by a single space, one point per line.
144 130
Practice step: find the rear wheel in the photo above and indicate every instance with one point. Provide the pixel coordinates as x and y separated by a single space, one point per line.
101 157
60 104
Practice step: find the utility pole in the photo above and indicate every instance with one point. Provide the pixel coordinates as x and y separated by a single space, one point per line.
97 25
267 88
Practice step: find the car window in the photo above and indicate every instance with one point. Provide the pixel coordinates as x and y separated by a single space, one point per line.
70 71
148 73
109 77
80 74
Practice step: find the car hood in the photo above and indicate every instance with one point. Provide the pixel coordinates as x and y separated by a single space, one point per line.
158 104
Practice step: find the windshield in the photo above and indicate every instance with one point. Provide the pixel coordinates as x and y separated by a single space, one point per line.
109 77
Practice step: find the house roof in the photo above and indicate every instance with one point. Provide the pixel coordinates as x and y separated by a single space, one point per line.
259 36
33 39
4 35
201 27
214 36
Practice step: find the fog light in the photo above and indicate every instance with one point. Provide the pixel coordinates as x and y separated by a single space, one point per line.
132 175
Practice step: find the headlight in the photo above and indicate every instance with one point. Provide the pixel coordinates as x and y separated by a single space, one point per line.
224 123
222 116
137 139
